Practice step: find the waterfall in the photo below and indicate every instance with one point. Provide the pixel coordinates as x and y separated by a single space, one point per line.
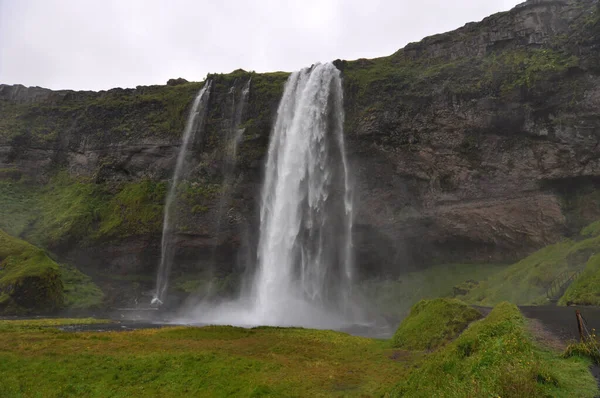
232 139
237 120
304 269
195 119
305 246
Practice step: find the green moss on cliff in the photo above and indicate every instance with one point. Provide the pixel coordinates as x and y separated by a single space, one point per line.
432 323
522 68
136 209
70 209
110 115
18 206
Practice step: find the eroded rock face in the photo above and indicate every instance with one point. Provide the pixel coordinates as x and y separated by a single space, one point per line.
468 146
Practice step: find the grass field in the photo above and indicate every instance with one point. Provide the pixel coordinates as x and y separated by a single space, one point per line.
38 361
493 357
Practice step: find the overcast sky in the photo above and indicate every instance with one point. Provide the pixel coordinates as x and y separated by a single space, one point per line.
100 44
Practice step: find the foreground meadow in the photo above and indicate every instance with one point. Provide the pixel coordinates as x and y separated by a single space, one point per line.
37 360
442 349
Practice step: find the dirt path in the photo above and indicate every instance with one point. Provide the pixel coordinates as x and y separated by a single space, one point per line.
556 326
561 321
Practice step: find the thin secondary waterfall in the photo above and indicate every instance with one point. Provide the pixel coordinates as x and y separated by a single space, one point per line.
304 252
236 131
304 270
194 120
232 140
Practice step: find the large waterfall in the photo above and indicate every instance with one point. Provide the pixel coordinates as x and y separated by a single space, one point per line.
304 252
304 266
194 120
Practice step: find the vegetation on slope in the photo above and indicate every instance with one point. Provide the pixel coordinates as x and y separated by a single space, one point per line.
79 209
495 357
394 298
586 289
432 323
31 282
526 282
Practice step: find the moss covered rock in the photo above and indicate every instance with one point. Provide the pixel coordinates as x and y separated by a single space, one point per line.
30 282
432 323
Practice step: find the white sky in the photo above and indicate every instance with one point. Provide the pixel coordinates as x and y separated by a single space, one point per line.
100 44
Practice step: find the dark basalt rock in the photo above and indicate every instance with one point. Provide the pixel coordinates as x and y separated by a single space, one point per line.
452 142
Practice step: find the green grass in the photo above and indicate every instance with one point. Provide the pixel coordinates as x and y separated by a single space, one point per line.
492 357
210 361
495 357
432 323
526 282
30 325
394 298
589 349
592 229
586 289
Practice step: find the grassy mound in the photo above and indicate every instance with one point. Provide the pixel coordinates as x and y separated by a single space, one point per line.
432 323
31 282
496 357
586 289
526 282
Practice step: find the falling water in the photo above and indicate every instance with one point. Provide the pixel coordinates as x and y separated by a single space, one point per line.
195 118
304 266
232 140
237 132
304 252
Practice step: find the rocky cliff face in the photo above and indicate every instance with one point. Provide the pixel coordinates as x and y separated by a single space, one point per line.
481 144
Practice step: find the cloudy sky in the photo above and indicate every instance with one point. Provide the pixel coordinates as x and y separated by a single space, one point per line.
100 44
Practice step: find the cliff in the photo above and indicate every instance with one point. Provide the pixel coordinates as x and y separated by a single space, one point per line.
478 145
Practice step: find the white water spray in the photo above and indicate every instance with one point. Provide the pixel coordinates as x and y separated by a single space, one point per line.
304 271
194 121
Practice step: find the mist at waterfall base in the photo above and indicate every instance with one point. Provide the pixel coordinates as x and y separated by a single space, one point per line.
303 274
